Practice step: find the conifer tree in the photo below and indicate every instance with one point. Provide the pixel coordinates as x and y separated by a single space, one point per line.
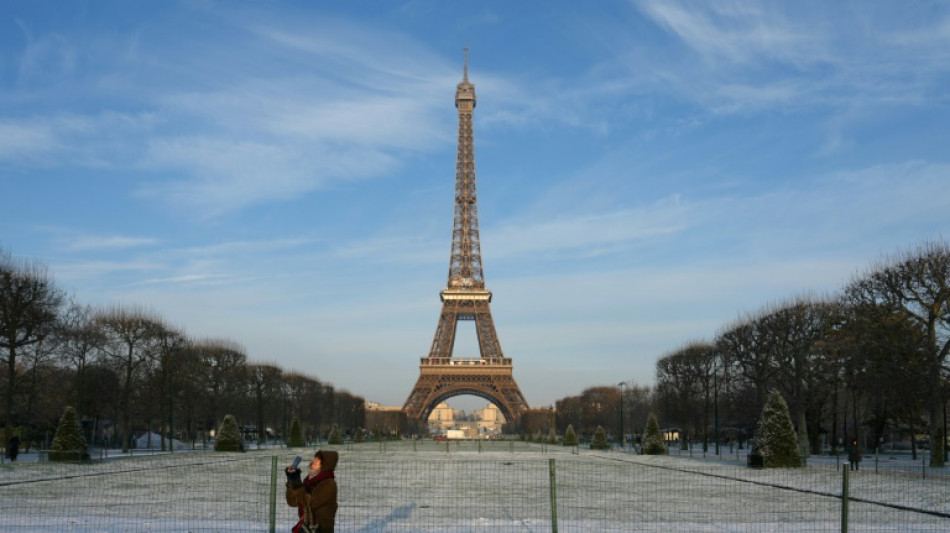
336 436
599 442
358 436
570 438
775 438
228 438
296 435
652 439
68 443
552 436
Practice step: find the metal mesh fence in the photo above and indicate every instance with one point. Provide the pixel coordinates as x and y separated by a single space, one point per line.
470 487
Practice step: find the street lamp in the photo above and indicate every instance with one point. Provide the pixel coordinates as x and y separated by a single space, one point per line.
623 438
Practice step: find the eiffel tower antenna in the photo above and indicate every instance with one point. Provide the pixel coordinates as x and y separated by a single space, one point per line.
441 374
465 69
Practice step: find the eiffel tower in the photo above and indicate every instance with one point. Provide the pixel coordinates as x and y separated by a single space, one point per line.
442 376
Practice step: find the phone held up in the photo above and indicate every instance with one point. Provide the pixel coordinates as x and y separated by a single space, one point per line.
296 463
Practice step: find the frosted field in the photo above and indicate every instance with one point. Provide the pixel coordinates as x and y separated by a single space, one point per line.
501 488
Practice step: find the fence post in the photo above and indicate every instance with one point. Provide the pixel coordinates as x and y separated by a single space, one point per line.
273 494
844 500
553 496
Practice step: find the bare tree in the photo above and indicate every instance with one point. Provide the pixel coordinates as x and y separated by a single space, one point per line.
79 341
303 397
166 365
221 363
750 364
130 337
41 375
918 284
684 386
885 359
793 332
265 381
638 403
29 305
600 406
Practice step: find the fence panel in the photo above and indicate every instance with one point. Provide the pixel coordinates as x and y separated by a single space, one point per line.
439 487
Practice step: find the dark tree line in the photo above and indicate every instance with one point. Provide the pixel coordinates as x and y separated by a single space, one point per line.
869 363
601 407
125 370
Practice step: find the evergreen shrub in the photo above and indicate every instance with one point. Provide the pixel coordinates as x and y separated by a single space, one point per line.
570 438
68 443
336 436
228 438
652 439
775 440
295 440
599 442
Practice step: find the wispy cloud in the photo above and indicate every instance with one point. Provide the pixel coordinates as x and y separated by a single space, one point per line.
586 235
258 130
44 57
108 139
747 54
194 279
89 271
25 141
739 32
97 242
231 248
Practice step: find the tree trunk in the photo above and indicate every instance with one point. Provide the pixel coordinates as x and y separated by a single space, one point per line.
11 382
937 431
803 445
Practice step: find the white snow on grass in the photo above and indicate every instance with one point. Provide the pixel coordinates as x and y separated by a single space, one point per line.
468 487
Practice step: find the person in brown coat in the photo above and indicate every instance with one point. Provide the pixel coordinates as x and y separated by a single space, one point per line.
315 496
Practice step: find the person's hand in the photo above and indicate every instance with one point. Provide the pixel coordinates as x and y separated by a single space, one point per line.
293 477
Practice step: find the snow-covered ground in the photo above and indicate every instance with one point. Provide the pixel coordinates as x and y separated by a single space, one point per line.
472 487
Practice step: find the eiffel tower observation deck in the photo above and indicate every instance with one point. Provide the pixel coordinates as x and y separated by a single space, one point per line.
465 297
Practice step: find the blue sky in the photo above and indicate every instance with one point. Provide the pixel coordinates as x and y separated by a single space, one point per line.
281 174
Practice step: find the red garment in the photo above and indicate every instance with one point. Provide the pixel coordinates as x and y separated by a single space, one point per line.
311 481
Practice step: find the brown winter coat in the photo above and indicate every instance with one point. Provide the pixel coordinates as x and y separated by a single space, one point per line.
322 498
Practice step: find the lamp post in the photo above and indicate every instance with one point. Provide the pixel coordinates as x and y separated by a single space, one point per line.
716 408
623 438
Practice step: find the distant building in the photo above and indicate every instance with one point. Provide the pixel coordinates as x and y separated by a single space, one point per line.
490 420
487 421
442 419
388 420
392 420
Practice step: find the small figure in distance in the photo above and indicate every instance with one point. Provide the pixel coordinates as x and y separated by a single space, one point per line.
854 454
13 448
315 496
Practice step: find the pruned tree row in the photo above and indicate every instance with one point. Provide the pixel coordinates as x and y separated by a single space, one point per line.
126 371
869 363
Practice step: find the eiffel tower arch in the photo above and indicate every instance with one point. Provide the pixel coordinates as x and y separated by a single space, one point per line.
442 375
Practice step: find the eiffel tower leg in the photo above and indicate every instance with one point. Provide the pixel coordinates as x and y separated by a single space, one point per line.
444 339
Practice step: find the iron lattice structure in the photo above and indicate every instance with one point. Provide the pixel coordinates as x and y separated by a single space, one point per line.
442 376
